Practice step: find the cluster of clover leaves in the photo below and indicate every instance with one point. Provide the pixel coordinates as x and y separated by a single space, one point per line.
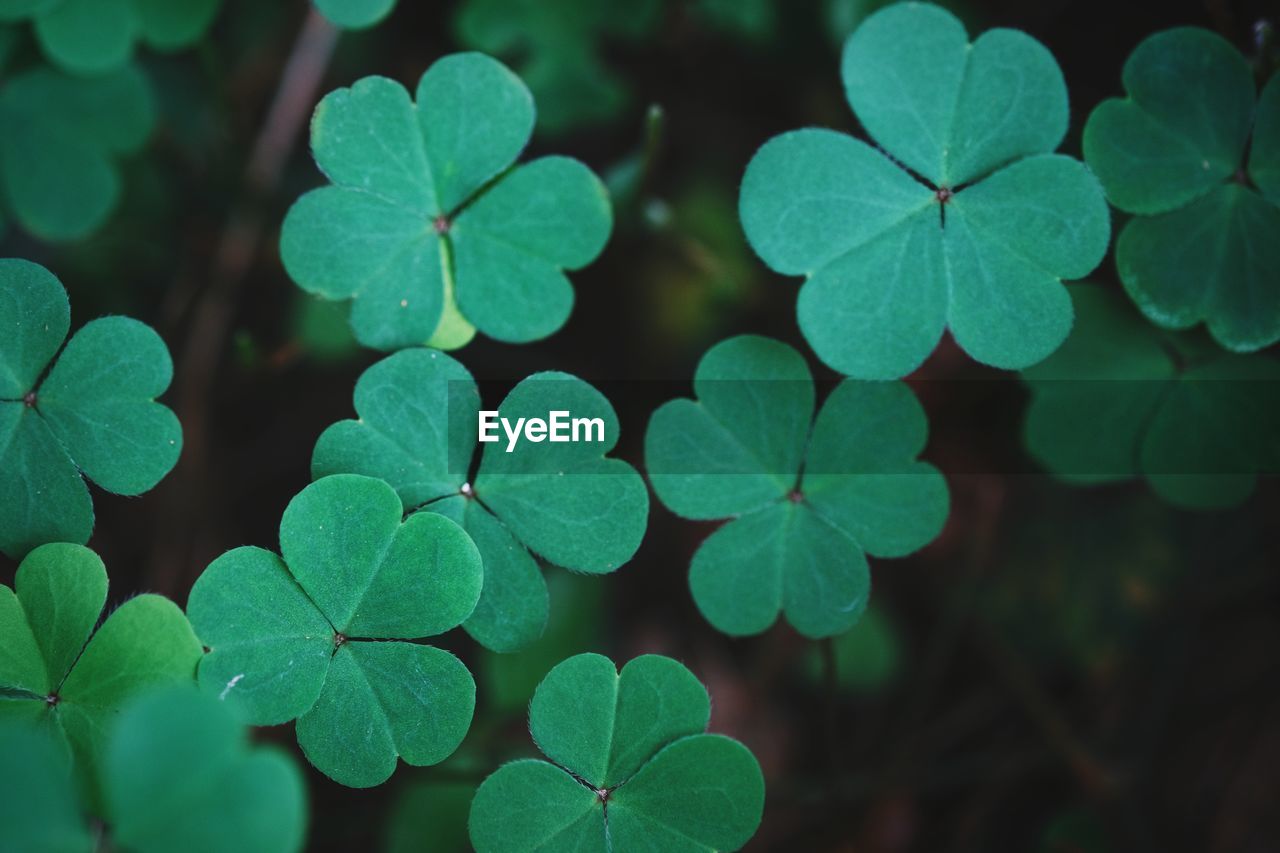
960 218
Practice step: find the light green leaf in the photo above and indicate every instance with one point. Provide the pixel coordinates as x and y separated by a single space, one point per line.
1174 153
978 236
632 769
428 227
567 502
94 412
180 775
63 589
807 499
306 636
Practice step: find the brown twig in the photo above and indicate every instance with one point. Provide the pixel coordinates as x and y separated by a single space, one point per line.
236 250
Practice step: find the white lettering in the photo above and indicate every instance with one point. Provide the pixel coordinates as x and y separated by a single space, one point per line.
587 424
559 426
513 435
488 425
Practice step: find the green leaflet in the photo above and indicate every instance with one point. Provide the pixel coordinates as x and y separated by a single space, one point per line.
178 774
1122 399
557 45
318 634
977 237
566 502
62 135
93 36
355 14
428 227
1201 247
228 790
93 413
56 670
808 497
632 768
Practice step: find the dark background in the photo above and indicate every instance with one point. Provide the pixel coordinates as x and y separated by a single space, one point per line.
1062 670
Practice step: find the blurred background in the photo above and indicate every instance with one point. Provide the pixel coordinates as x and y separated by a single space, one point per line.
1064 669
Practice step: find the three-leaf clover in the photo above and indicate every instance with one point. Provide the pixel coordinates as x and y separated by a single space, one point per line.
428 228
1195 155
93 412
355 14
558 44
1124 399
56 671
808 498
177 774
61 136
630 768
566 502
319 633
92 36
964 220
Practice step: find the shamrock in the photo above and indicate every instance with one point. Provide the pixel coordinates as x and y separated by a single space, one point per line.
1196 157
318 633
965 220
808 499
631 767
92 36
566 502
1124 399
427 217
92 412
61 134
232 796
55 670
558 43
355 14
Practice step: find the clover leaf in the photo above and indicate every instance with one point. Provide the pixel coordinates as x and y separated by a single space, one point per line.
557 44
229 796
93 413
92 36
233 796
318 633
965 220
630 767
61 137
57 671
566 502
808 498
1196 157
355 14
1123 399
428 227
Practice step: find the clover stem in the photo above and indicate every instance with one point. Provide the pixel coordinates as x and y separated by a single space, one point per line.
441 224
602 794
467 491
338 640
29 399
943 195
795 496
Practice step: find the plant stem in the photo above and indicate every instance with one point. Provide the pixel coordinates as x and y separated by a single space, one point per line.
215 308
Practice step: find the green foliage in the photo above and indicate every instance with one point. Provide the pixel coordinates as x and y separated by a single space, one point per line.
57 672
630 767
966 220
92 36
318 634
568 502
448 218
868 656
61 136
1196 156
808 498
231 797
1123 399
557 43
93 413
355 14
430 817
